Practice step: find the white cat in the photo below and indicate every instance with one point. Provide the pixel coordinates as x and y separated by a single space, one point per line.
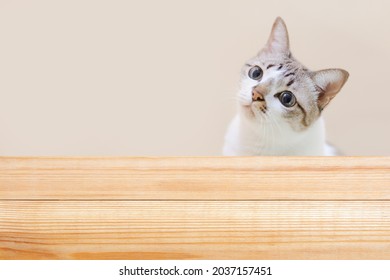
280 103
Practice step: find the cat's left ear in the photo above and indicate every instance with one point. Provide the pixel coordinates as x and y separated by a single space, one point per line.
329 82
278 41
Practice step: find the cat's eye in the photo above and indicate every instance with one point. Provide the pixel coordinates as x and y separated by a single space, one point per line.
287 98
255 73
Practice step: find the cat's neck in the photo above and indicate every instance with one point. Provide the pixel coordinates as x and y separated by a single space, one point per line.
268 138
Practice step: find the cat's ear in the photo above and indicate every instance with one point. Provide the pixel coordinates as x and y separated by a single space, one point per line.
278 39
329 82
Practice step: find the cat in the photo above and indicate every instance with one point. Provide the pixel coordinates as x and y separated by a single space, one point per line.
280 104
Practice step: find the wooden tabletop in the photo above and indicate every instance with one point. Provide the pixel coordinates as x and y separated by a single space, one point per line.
195 208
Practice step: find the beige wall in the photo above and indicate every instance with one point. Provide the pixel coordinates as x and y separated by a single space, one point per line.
159 77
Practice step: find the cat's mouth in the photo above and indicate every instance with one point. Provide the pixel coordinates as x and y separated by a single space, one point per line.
259 106
255 107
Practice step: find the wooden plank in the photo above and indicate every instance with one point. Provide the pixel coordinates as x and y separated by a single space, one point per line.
228 178
194 230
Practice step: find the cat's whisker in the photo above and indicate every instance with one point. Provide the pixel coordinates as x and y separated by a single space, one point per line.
271 137
263 137
277 126
259 148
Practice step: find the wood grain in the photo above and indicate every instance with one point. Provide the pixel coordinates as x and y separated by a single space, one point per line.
195 208
232 178
194 229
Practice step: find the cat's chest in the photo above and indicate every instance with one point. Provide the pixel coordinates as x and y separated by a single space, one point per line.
245 139
263 142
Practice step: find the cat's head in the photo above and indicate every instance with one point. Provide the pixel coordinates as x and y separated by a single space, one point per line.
276 87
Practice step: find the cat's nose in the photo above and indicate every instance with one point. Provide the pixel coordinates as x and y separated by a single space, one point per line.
257 96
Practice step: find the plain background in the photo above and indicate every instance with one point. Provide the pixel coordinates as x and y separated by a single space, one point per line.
125 78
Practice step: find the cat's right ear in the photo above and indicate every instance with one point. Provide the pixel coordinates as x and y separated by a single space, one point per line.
278 41
329 82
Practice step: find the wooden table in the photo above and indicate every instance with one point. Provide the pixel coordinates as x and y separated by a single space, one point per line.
195 208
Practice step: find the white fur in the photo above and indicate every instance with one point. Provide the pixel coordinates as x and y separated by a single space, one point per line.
248 138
